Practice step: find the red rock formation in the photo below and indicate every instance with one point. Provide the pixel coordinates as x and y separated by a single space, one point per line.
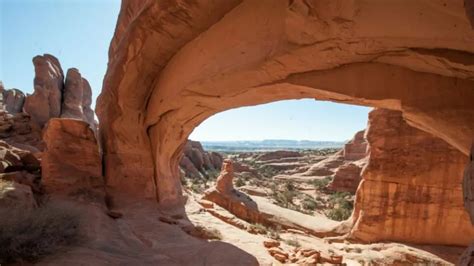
71 160
196 161
72 95
13 100
45 102
224 180
86 104
468 186
356 148
347 178
159 86
411 186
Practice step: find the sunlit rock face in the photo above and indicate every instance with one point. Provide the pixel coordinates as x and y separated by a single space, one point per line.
172 64
411 188
71 160
45 102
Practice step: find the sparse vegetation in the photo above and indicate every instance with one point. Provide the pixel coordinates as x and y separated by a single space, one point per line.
239 182
341 204
308 203
321 184
29 234
293 242
285 197
258 228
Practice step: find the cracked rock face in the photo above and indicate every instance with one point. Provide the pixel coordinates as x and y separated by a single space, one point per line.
172 65
411 187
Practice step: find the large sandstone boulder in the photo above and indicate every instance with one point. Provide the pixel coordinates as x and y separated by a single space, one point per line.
71 160
411 187
45 102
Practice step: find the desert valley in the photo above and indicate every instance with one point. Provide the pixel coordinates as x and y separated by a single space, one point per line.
126 184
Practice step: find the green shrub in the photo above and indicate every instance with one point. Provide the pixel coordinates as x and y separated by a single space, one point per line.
341 204
258 228
320 184
293 242
239 182
309 203
29 234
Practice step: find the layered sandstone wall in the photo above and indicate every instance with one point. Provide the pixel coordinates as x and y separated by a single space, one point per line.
411 187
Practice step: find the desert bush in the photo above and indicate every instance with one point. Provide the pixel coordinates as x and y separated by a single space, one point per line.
258 228
239 182
274 233
321 184
341 204
308 203
293 242
212 174
29 234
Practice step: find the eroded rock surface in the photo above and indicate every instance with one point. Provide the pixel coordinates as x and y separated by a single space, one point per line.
71 160
411 186
45 102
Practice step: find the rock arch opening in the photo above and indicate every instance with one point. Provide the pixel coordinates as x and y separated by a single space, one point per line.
173 66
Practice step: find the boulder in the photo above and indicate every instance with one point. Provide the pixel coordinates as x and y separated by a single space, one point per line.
71 160
411 187
13 159
45 102
16 195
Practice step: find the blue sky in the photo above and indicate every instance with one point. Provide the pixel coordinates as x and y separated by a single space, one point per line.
78 32
305 119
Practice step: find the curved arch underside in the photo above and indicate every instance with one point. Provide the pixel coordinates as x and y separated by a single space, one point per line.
172 64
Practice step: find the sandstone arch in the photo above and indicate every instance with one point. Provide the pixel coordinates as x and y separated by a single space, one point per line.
172 65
